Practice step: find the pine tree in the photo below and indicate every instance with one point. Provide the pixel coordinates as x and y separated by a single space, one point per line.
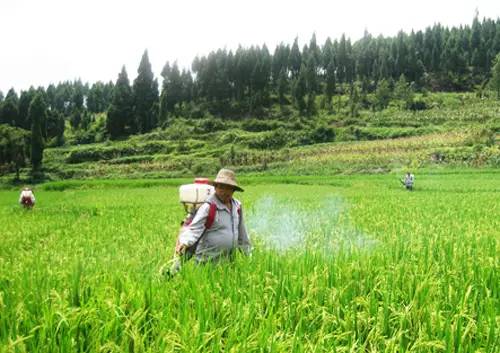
295 59
55 127
330 83
75 119
172 91
280 62
403 91
145 90
37 115
312 84
119 112
282 87
13 147
10 110
78 96
24 104
383 94
354 100
495 76
300 90
95 99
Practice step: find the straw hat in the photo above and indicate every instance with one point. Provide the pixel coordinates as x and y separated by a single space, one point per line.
227 177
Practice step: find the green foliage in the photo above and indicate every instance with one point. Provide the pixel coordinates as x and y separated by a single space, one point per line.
96 153
383 95
404 92
37 115
10 110
14 148
299 90
120 111
271 140
54 128
145 92
495 76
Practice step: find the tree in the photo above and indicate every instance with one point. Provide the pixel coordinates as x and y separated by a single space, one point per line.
75 119
330 83
37 115
77 96
145 90
280 62
403 91
14 143
282 87
24 104
311 84
295 59
382 94
10 110
172 90
54 127
96 101
354 100
120 110
495 76
300 90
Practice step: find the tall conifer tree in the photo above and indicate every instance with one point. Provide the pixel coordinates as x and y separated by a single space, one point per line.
145 91
120 110
37 115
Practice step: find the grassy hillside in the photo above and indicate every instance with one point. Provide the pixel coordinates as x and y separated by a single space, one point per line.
453 130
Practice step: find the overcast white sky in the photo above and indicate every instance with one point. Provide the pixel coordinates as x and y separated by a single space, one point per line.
47 41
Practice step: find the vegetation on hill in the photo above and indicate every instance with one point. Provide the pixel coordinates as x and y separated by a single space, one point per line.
375 88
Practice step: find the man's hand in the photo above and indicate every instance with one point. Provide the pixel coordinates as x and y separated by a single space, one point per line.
180 248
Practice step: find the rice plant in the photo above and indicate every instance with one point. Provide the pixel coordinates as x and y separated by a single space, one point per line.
345 264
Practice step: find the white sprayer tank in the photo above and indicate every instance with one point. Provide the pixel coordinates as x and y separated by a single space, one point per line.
195 194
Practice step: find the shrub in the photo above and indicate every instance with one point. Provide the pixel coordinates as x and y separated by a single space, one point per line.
418 104
257 125
271 139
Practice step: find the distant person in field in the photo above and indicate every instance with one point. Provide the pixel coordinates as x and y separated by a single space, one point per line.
227 233
408 181
27 198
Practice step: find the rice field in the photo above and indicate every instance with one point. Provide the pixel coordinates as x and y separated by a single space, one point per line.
340 264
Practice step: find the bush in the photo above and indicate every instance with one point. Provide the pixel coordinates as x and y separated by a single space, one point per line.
204 167
256 125
418 104
210 125
485 137
319 134
271 139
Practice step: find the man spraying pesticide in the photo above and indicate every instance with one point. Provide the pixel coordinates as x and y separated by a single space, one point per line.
214 227
408 181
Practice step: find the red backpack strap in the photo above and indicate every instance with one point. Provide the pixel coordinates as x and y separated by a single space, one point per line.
211 215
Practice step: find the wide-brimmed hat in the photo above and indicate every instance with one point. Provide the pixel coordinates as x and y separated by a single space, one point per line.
226 177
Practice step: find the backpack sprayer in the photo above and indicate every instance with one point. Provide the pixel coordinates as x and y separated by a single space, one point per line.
192 196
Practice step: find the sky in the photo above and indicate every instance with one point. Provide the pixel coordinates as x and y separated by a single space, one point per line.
49 41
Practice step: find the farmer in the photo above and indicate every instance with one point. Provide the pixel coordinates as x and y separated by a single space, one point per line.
227 233
408 181
27 198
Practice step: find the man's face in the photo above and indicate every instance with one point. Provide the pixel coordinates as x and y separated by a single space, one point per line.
224 192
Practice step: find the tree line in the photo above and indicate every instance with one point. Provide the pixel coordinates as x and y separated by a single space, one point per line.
249 80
